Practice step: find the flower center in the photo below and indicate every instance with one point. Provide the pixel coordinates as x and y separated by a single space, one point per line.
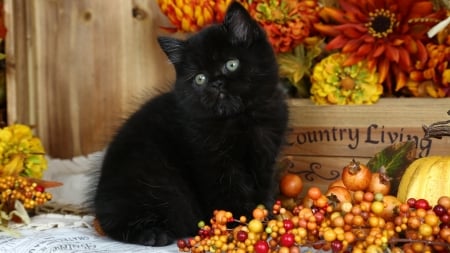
347 83
381 23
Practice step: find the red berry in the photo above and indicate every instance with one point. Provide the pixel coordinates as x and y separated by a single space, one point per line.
288 224
336 246
422 204
411 202
443 225
445 218
439 210
241 236
39 188
261 246
181 244
319 217
315 209
287 240
204 233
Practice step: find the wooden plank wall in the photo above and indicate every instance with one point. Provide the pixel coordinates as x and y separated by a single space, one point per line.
76 68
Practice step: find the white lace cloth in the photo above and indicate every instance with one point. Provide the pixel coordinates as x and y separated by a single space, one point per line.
51 220
56 233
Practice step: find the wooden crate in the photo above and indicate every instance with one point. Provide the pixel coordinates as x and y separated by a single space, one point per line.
323 139
76 68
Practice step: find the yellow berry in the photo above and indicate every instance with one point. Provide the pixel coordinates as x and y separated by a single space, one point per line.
255 226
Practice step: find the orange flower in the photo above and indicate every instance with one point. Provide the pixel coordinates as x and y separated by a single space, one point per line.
389 34
188 15
433 77
193 15
286 22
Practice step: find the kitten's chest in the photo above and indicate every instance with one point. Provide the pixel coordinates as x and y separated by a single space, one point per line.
232 137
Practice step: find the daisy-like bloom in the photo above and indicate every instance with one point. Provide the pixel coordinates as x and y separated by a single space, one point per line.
389 34
286 22
333 83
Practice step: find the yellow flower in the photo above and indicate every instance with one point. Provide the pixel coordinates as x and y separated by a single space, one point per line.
334 83
21 153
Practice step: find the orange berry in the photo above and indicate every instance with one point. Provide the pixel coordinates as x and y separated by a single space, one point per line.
258 213
314 193
368 196
291 185
321 202
432 219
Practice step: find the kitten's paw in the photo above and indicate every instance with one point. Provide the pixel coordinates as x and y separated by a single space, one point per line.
154 237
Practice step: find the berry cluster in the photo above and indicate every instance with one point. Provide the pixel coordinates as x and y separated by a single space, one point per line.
26 190
368 223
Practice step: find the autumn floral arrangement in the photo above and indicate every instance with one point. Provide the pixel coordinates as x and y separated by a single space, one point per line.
22 164
344 51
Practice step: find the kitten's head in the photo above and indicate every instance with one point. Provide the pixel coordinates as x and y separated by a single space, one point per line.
224 68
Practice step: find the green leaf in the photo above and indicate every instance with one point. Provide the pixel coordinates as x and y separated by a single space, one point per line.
394 160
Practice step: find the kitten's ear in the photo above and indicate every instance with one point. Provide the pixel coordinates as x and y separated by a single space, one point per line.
172 47
239 22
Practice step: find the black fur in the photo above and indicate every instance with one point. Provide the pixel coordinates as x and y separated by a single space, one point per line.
199 147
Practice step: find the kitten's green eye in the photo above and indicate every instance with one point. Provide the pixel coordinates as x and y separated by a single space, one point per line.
232 65
200 79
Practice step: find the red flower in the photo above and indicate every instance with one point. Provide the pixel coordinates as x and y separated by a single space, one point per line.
389 34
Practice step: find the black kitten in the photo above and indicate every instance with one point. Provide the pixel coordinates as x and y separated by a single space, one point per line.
211 143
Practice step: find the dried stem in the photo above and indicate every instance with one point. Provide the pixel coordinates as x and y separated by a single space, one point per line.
438 129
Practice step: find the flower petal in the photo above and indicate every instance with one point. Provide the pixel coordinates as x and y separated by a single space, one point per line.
404 59
364 49
352 59
419 9
422 53
326 29
383 69
379 50
354 13
332 14
392 53
351 46
353 31
401 80
338 42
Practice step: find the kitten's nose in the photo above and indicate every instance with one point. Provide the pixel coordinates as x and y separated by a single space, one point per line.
218 83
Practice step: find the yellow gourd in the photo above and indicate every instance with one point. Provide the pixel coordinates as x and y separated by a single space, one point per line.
427 178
